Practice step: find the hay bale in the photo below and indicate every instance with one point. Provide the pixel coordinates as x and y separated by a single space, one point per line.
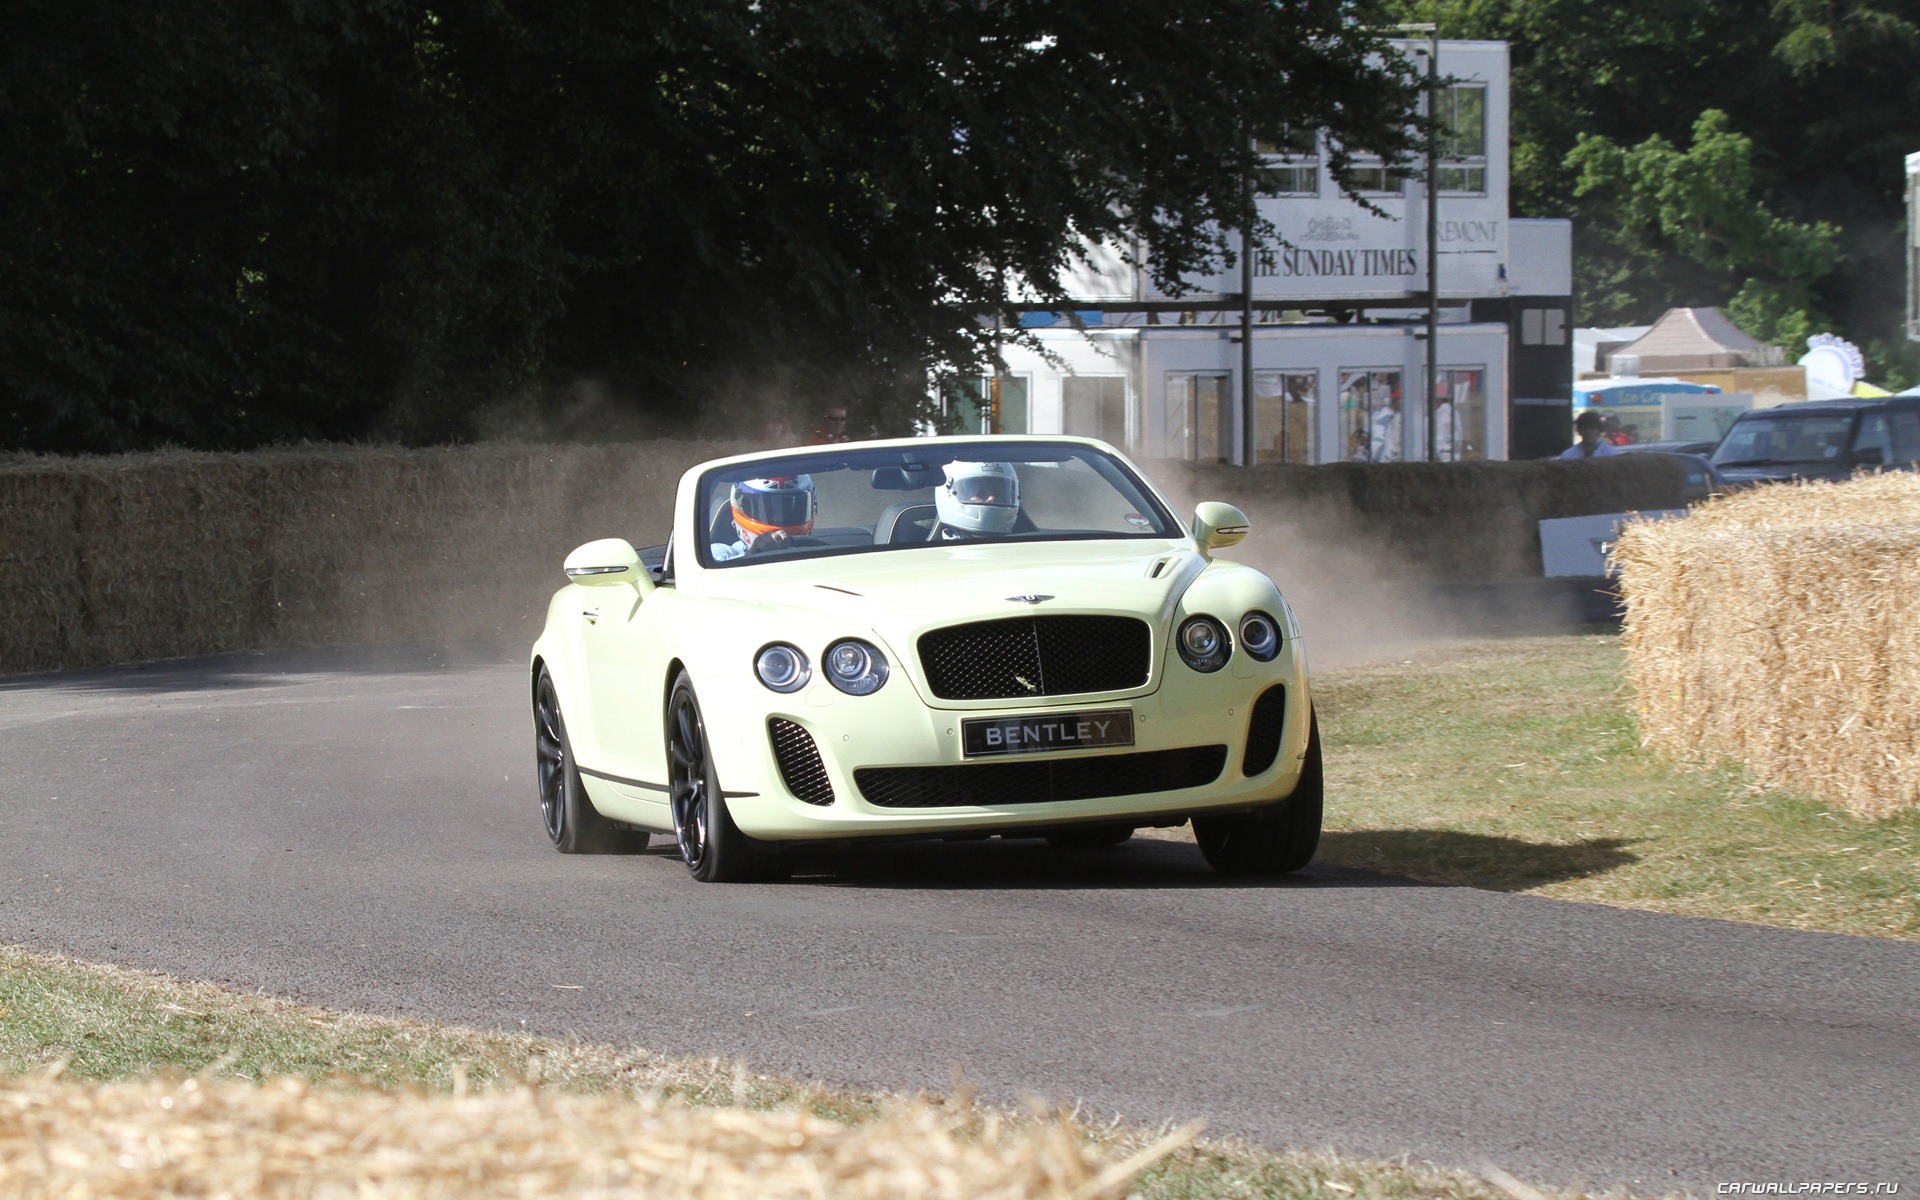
1779 628
119 558
203 1137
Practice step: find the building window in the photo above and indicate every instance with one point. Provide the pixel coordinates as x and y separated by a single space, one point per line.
1094 406
1284 404
1372 177
1463 140
1198 416
1460 414
1543 327
995 405
1290 165
1370 414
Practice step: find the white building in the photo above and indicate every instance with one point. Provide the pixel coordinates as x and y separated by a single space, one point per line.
1338 319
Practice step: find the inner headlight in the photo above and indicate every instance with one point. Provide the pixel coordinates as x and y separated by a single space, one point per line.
856 667
781 667
1260 635
1203 644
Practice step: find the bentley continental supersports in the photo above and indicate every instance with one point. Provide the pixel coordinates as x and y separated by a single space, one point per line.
937 637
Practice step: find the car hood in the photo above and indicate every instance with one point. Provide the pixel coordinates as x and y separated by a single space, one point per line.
898 593
1762 474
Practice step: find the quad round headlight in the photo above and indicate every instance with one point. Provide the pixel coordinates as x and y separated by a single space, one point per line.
1203 644
856 667
782 667
1260 635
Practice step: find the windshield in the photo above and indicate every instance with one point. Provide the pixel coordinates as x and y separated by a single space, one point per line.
848 500
1780 439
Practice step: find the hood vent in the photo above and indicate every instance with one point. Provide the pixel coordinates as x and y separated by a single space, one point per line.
1159 565
827 587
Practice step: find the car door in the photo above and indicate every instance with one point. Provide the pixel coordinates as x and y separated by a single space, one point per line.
623 640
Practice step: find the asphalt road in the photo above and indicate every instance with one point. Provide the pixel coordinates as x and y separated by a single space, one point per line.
359 831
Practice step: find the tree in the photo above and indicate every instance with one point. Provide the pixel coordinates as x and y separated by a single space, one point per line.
1690 218
226 223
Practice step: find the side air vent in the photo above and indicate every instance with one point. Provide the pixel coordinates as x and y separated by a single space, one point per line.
799 759
1264 727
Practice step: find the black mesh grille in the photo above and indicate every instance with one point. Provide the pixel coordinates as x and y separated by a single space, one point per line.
1263 729
800 766
1038 782
1036 656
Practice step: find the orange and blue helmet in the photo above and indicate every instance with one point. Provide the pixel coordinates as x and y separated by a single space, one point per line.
783 502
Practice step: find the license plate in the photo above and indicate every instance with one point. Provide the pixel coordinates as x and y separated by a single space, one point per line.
982 736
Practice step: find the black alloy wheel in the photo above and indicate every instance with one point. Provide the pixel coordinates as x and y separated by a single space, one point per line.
711 845
572 823
1274 840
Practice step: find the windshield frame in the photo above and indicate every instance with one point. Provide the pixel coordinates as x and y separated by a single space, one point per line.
865 457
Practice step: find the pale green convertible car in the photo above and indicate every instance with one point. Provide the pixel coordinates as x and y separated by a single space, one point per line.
935 637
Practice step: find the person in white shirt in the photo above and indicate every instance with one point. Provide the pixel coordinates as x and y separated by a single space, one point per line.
1385 430
1589 443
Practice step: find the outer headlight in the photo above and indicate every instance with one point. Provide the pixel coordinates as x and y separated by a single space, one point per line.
1260 635
1203 644
856 667
782 667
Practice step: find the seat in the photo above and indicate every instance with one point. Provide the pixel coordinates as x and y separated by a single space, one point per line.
899 523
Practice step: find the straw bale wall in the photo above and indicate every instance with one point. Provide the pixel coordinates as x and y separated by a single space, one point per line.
1779 628
205 1137
133 557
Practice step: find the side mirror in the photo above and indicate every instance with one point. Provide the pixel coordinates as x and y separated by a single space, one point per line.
1869 456
607 562
1217 526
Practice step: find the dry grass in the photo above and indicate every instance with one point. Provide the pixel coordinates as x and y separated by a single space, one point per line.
129 1039
1515 765
130 557
208 1137
1779 628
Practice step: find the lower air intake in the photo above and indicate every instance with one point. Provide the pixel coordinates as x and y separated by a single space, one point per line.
1092 778
799 759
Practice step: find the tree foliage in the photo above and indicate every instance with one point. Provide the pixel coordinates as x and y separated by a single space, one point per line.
1694 212
224 223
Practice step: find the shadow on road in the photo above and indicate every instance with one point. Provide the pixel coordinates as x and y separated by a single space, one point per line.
269 668
1500 864
1030 864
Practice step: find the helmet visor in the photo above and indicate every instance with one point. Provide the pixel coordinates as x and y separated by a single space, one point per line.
985 489
779 508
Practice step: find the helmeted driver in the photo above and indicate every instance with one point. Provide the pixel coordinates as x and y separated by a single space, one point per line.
768 512
979 499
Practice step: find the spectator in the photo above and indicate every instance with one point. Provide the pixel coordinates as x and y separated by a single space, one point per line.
1589 443
832 427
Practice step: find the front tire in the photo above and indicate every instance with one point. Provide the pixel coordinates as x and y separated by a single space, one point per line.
573 825
1276 840
711 845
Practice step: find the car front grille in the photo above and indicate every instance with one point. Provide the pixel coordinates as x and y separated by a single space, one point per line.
1263 730
799 760
1021 782
1019 657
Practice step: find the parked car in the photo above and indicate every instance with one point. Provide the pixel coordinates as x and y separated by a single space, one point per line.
1702 479
1821 439
936 637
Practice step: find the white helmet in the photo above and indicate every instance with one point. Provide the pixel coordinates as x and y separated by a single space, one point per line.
978 497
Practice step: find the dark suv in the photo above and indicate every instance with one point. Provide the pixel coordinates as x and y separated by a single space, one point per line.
1821 439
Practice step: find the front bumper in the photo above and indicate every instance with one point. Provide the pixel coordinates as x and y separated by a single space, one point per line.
894 766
